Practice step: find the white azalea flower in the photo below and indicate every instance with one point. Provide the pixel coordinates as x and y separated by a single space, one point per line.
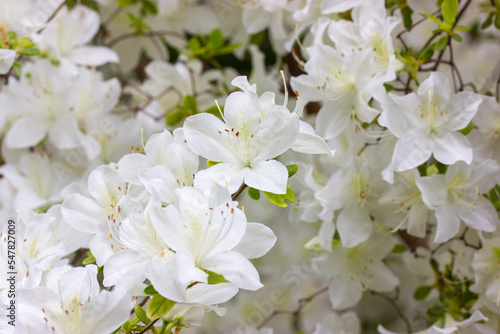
457 197
343 82
207 236
486 264
426 123
371 29
353 191
70 302
66 36
44 97
486 138
162 149
347 323
246 141
353 270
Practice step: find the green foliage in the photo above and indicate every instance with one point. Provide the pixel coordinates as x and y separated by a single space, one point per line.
141 315
158 306
292 169
150 290
211 163
449 9
189 107
89 259
89 3
398 248
209 47
280 199
214 278
422 292
253 193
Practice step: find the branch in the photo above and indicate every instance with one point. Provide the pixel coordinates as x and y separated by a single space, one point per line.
396 307
238 192
302 303
145 329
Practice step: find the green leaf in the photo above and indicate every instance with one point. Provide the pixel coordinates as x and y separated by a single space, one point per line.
497 20
214 278
441 44
290 196
433 18
422 292
426 54
253 193
211 163
292 169
457 37
175 117
214 110
435 312
190 102
216 39
150 290
465 131
158 306
488 22
29 52
194 44
126 3
278 200
406 12
461 28
89 259
449 10
398 248
388 87
141 315
148 8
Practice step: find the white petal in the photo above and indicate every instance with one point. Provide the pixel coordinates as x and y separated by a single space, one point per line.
130 165
256 242
433 190
412 150
210 294
269 176
452 147
163 274
354 225
383 279
310 143
436 89
92 56
125 268
206 136
7 58
344 292
448 223
25 132
461 109
236 269
82 213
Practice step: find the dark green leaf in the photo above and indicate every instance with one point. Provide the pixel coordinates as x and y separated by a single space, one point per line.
388 87
141 315
422 292
292 169
426 54
406 12
497 20
449 10
253 193
126 3
488 22
158 306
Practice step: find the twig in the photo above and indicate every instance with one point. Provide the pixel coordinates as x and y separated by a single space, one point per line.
141 304
77 256
238 192
145 329
302 303
396 307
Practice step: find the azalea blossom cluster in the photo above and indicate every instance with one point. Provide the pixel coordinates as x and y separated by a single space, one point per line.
159 157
